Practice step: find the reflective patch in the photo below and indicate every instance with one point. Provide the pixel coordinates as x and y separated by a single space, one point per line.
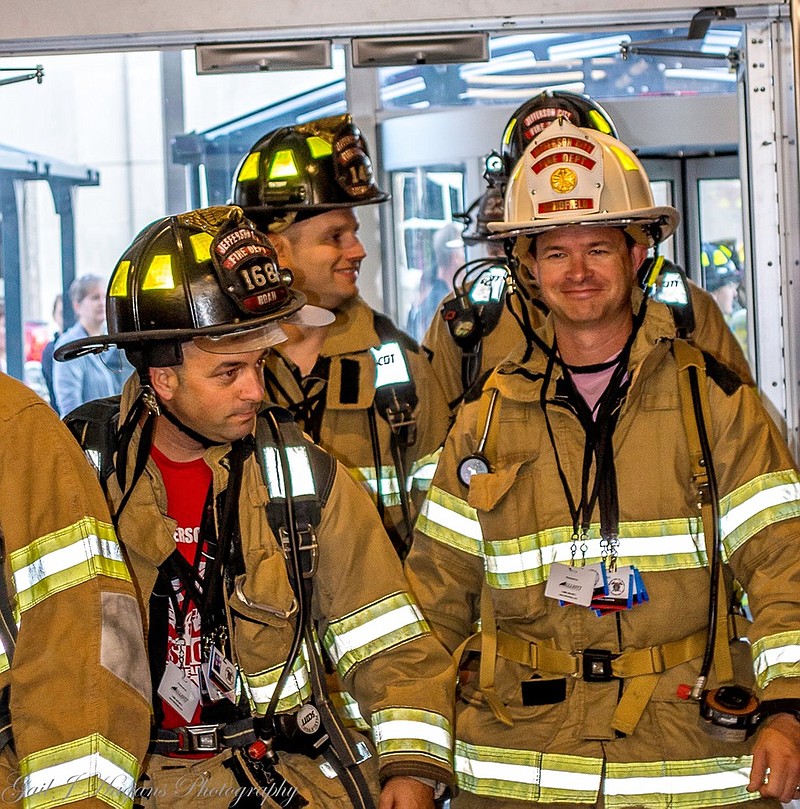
413 731
452 521
526 775
776 656
348 709
369 631
763 501
122 642
689 784
64 559
299 470
390 365
389 490
297 689
91 767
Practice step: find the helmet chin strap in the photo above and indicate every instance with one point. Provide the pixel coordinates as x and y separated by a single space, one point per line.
186 430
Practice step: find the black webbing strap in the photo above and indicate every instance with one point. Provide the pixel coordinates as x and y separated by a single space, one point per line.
294 519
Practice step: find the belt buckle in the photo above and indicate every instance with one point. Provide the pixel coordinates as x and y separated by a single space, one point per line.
199 738
597 665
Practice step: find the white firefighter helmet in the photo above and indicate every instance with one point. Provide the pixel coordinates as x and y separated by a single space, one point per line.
573 176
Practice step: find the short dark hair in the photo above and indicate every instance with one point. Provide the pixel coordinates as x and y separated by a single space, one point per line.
83 285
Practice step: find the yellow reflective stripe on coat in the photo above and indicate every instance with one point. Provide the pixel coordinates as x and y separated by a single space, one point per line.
369 631
91 767
765 500
64 559
348 709
423 470
692 784
390 491
653 545
525 775
776 656
451 521
413 731
297 689
4 664
552 778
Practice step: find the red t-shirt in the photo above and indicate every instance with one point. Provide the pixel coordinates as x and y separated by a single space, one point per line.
187 487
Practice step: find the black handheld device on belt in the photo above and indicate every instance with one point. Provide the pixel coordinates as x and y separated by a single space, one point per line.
729 713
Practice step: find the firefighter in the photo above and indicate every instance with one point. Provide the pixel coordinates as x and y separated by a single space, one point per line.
73 670
592 508
360 388
494 325
250 546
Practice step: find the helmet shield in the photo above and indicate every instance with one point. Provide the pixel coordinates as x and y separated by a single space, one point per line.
572 176
313 167
203 273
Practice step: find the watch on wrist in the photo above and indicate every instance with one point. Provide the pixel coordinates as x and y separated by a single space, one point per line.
769 707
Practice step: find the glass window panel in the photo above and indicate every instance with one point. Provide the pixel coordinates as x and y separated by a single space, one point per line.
723 271
585 62
428 242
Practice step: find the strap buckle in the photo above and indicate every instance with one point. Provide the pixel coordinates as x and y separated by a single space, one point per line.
596 665
308 548
199 738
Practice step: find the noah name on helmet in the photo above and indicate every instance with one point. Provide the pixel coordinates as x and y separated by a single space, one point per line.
619 459
303 185
235 617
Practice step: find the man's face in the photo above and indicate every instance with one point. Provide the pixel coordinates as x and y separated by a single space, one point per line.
325 254
586 275
217 395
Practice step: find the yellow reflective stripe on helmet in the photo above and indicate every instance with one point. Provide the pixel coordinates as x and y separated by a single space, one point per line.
526 775
377 627
692 784
64 559
319 147
201 246
249 170
348 709
119 283
299 470
390 365
91 767
283 165
652 545
297 689
776 655
763 501
451 521
159 274
414 731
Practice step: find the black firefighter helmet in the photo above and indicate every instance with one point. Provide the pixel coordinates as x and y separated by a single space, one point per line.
306 169
208 274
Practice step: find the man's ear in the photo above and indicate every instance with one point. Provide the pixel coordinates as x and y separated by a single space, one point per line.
638 256
164 382
282 248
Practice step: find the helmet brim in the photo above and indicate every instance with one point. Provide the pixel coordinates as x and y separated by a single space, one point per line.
665 217
293 311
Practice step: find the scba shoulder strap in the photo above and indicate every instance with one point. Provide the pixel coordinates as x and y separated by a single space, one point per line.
395 392
95 425
299 477
311 471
